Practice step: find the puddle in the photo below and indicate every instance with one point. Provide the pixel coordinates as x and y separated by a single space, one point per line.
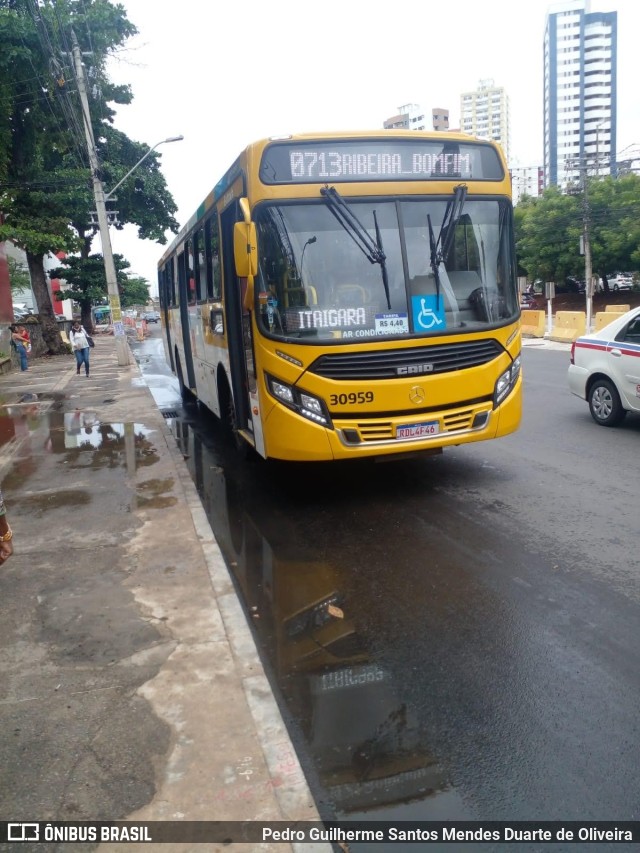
150 494
31 424
24 414
42 502
91 443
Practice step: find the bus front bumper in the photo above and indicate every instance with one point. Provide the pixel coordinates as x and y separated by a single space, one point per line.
290 436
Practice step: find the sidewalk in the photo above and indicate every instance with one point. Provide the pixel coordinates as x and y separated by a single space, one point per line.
130 685
546 343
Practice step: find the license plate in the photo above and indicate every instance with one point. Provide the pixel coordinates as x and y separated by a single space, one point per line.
418 430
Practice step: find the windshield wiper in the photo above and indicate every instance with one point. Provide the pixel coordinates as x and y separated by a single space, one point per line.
372 250
440 248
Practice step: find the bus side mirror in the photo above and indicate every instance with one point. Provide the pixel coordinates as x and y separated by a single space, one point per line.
245 249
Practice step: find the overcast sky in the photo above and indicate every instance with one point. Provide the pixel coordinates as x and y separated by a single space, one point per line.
226 73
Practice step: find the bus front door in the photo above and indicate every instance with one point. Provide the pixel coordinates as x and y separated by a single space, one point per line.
238 330
185 372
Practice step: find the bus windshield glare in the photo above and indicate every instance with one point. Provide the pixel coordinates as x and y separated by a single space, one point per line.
371 270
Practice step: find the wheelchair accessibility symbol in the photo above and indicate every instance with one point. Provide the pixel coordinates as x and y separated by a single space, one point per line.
428 313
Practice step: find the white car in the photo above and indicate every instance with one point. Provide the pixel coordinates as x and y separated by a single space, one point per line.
605 369
622 281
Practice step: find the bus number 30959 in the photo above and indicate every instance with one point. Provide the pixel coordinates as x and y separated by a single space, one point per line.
352 397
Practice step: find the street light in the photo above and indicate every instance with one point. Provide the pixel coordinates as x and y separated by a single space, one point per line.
304 248
122 347
141 160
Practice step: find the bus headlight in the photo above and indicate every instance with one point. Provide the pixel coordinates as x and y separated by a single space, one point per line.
302 402
281 391
506 382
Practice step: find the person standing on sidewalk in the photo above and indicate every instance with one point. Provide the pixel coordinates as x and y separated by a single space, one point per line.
19 341
6 534
80 346
26 336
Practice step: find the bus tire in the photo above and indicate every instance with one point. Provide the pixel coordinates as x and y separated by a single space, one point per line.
228 415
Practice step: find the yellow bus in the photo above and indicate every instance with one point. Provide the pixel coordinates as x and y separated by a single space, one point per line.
350 295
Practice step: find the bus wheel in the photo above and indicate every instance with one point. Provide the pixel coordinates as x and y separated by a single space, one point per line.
228 417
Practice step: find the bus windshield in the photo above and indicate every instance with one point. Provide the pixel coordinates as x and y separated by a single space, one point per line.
369 269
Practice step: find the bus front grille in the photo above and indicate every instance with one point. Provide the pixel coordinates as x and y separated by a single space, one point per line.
370 431
391 364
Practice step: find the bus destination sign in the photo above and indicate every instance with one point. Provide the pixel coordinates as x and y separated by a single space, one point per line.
379 160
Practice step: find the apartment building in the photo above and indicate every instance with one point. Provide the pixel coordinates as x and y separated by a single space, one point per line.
414 117
410 117
485 112
580 51
526 180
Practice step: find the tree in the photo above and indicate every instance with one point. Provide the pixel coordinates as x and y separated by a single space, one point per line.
548 229
37 234
86 284
548 236
45 186
135 291
614 222
520 213
32 220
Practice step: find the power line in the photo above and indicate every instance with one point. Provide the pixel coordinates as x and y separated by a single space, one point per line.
56 69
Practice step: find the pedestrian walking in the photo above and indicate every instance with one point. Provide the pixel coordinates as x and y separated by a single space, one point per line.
19 342
80 345
6 534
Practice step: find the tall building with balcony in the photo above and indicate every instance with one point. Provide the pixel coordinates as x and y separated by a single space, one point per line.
485 112
580 49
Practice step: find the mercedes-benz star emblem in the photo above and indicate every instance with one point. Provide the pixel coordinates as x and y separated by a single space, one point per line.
417 395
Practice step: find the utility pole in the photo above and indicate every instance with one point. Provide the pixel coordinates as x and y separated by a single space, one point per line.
122 347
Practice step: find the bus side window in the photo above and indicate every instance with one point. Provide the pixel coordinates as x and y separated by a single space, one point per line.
182 272
174 297
200 269
162 287
212 258
190 272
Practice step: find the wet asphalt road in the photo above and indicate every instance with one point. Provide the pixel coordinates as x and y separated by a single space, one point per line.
454 637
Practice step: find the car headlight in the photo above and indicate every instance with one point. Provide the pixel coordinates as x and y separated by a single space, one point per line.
506 381
305 404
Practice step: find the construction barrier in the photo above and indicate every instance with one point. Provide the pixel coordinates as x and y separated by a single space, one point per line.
603 318
533 323
568 326
619 309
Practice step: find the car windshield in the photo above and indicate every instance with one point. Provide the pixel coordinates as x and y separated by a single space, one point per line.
316 280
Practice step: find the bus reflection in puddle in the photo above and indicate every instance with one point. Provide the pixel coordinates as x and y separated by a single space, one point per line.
368 748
